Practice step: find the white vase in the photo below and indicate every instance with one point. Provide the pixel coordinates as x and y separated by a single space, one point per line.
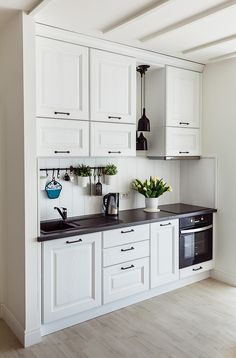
83 181
109 179
151 205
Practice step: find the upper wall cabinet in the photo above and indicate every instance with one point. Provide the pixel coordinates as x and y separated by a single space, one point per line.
182 98
112 140
112 87
62 79
62 138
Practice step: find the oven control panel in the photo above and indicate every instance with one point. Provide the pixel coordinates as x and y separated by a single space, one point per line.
196 221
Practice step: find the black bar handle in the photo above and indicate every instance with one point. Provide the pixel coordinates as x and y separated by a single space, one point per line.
127 232
128 267
183 152
197 269
186 123
66 113
73 242
124 250
114 117
61 151
165 224
116 152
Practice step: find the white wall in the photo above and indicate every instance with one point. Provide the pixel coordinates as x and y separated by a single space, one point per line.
198 182
78 201
219 138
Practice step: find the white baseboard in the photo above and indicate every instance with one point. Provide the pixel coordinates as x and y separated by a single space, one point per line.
32 337
26 338
224 276
110 307
13 323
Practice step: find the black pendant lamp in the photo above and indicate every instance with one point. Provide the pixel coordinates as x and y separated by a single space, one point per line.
143 123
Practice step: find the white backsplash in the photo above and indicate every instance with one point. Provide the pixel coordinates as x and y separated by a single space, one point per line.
78 201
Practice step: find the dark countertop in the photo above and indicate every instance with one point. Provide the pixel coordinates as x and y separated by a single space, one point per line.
129 218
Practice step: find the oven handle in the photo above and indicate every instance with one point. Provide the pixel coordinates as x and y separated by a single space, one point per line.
192 231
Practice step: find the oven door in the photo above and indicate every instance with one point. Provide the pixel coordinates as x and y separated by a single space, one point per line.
195 246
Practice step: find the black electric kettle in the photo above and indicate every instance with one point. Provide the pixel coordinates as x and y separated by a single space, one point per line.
111 204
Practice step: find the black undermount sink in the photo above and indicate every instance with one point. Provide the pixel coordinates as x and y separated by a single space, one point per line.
96 222
48 227
54 226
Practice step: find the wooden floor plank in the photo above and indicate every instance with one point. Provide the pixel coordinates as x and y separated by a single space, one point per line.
197 321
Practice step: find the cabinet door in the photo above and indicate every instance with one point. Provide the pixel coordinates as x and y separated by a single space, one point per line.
182 142
164 252
71 276
62 138
113 87
112 140
126 279
183 91
62 79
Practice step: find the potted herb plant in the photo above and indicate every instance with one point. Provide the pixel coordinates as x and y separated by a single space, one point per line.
152 189
83 172
110 171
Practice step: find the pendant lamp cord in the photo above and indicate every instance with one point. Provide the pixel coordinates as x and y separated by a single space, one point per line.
141 94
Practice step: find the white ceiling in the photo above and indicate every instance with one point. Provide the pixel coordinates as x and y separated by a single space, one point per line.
93 16
9 7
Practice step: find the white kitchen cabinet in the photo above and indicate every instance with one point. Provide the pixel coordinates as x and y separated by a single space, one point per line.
164 252
71 276
62 138
112 139
62 79
182 142
112 87
174 113
183 89
121 281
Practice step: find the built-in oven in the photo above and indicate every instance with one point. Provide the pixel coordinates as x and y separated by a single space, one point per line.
195 242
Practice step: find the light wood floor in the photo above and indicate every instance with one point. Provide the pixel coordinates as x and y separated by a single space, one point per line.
196 321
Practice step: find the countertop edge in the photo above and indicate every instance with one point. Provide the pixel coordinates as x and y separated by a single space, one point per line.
79 232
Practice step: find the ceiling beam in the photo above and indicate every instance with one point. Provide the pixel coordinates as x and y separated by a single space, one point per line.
38 7
223 57
209 44
189 20
135 16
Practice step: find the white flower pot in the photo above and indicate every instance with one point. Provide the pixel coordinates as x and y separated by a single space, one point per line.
109 179
83 181
151 205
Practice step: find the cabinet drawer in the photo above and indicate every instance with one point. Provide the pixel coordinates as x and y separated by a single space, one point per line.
125 235
132 251
196 269
182 142
57 138
124 280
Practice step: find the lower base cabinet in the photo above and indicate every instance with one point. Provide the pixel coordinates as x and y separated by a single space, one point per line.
164 252
71 276
126 279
